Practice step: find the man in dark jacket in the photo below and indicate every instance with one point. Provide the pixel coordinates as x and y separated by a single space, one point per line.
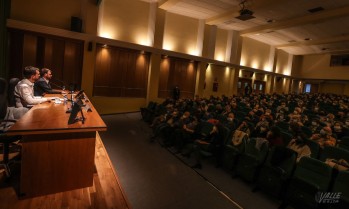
42 85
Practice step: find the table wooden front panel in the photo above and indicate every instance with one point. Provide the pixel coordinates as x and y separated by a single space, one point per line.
56 157
56 163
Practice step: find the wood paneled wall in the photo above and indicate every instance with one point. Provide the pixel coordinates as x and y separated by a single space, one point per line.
176 71
63 56
120 72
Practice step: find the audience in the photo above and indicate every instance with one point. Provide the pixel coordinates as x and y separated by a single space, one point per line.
263 116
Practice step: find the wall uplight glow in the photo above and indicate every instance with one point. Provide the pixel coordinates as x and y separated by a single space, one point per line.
242 61
143 41
106 34
255 64
267 68
240 73
193 51
227 70
168 46
219 57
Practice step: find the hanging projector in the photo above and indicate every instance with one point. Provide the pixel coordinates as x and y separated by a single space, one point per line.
245 14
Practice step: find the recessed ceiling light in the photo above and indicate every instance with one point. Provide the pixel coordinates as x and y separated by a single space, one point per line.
308 39
270 21
292 41
324 49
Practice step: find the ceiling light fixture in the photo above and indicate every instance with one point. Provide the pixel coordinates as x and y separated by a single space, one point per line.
245 14
308 39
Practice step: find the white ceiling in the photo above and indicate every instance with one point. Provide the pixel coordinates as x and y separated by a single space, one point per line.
328 30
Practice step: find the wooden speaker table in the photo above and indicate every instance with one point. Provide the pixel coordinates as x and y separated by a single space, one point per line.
56 157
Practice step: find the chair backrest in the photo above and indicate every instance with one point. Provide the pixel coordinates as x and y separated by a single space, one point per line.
337 153
341 184
307 131
344 143
3 98
282 157
314 172
11 92
252 150
314 148
286 137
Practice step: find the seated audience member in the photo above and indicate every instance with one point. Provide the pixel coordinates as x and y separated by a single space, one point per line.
298 144
282 106
295 116
24 90
42 85
324 138
232 123
274 137
315 126
281 116
213 143
338 130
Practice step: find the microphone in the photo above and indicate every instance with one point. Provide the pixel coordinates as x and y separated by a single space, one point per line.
56 85
60 81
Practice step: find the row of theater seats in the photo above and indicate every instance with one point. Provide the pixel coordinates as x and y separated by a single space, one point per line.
9 151
310 183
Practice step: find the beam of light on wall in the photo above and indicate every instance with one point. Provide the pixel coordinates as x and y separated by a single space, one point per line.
193 51
168 46
240 73
242 61
227 70
265 78
255 64
277 69
267 68
287 71
143 41
219 57
105 34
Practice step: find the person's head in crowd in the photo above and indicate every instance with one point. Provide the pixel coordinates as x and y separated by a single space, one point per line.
268 112
337 127
263 128
31 73
300 139
326 131
346 122
186 114
274 132
315 123
230 117
294 128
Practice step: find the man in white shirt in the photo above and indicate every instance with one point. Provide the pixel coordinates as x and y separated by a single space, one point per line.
24 90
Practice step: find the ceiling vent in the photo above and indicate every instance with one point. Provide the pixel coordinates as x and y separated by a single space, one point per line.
229 22
316 9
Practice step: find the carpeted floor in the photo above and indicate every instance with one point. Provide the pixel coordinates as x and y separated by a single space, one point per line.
155 178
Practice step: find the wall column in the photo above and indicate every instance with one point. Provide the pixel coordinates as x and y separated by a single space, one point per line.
153 78
159 28
233 89
209 44
236 47
200 78
5 9
89 14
